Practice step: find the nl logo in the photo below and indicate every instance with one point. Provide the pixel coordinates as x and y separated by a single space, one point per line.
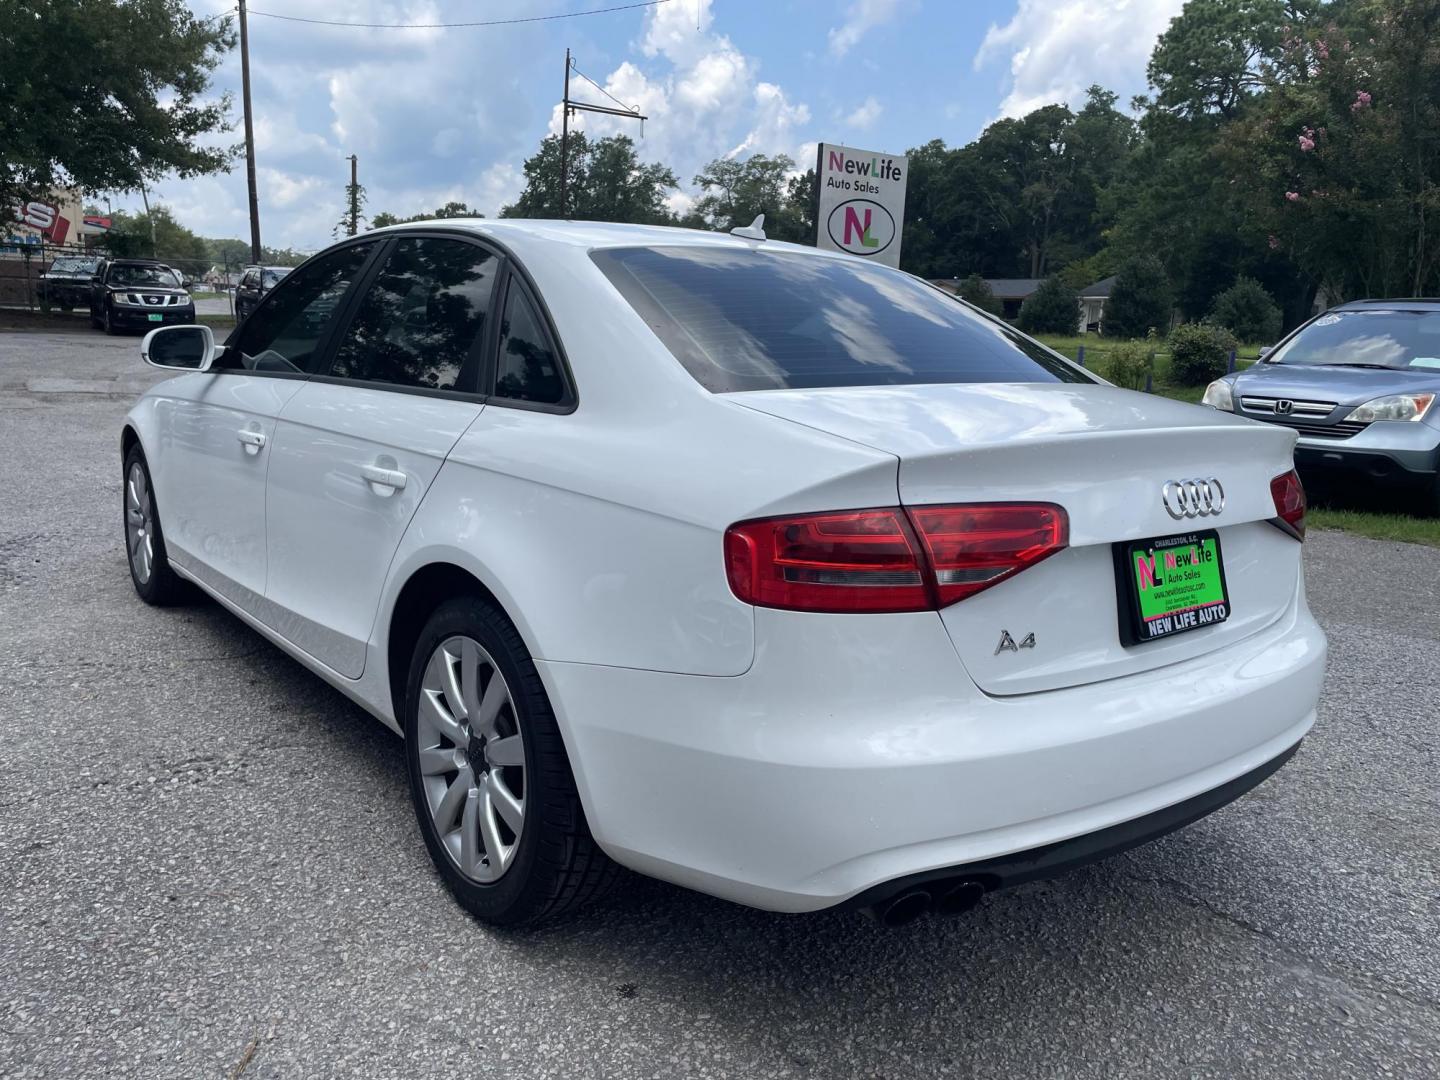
861 227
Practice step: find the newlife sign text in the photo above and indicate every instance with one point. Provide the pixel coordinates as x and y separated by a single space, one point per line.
862 202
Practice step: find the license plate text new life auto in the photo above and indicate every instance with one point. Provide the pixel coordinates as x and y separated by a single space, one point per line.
156 318
1171 584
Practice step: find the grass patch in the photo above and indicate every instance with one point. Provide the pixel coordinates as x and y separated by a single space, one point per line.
1377 526
1096 348
216 322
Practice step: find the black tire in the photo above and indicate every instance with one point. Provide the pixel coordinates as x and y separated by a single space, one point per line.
557 866
163 587
94 322
108 322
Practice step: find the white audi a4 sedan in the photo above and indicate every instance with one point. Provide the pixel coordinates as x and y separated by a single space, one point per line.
763 570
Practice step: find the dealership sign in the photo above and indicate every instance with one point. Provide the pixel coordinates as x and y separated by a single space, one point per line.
862 202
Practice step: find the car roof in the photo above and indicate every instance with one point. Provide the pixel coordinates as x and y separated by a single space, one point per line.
1411 302
592 235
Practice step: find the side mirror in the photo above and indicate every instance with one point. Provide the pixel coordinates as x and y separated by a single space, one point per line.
1266 350
183 348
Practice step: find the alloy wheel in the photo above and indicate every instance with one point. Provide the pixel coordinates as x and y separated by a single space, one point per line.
140 523
472 759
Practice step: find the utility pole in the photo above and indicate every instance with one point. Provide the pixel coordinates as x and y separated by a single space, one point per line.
565 134
567 107
145 198
354 197
249 136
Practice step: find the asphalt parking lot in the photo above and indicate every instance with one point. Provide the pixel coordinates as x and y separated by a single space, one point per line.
209 865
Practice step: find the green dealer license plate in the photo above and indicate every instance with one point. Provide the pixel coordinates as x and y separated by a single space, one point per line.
156 318
1171 584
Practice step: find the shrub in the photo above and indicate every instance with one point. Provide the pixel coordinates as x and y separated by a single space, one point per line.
1139 300
1053 308
977 290
1126 364
1247 311
1199 353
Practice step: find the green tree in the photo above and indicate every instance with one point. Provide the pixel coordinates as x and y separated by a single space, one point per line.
977 290
451 209
606 181
130 236
1053 308
737 190
1139 300
105 94
352 220
1209 62
1247 311
1339 156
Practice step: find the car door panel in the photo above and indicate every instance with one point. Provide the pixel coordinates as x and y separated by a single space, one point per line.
213 431
357 449
335 514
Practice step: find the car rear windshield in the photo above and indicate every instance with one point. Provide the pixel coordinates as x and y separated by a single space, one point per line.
747 319
1364 338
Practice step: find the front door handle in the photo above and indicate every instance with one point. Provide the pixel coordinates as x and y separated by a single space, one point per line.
383 481
251 439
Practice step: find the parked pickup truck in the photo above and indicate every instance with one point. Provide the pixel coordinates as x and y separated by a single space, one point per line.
66 284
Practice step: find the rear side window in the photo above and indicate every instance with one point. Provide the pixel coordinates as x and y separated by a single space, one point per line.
746 319
526 367
420 323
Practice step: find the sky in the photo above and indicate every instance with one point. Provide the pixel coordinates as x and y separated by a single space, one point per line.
443 114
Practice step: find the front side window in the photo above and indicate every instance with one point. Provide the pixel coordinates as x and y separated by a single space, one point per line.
420 323
745 319
1366 338
526 368
285 331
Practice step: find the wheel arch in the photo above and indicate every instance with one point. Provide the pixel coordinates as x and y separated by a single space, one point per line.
129 437
424 590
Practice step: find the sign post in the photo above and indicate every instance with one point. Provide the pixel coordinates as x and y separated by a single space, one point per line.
862 202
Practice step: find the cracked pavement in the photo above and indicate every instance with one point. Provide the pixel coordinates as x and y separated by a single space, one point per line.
209 865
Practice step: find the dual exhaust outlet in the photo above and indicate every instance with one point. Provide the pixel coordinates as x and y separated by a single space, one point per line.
951 896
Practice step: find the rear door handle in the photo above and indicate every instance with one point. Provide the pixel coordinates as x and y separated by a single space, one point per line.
381 477
251 439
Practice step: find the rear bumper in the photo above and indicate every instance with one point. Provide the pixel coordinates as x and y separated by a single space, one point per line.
1060 858
856 753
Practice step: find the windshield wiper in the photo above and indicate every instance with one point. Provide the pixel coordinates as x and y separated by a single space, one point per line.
1371 367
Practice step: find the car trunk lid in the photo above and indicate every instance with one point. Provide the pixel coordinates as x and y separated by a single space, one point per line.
1103 454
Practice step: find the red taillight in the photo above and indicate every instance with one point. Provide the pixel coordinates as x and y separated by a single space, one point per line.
1289 495
892 559
973 547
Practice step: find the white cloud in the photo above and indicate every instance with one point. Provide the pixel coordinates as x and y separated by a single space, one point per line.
866 115
703 95
1057 48
861 17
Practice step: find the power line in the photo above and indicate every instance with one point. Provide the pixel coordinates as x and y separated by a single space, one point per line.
458 25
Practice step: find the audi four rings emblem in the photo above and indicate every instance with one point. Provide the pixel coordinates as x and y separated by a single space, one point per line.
1193 498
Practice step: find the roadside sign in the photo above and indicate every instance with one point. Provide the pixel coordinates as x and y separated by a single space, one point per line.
862 202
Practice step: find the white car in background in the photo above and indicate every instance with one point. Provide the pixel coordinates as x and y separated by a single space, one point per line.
755 568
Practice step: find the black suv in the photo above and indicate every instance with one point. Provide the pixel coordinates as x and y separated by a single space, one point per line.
255 282
66 284
138 293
